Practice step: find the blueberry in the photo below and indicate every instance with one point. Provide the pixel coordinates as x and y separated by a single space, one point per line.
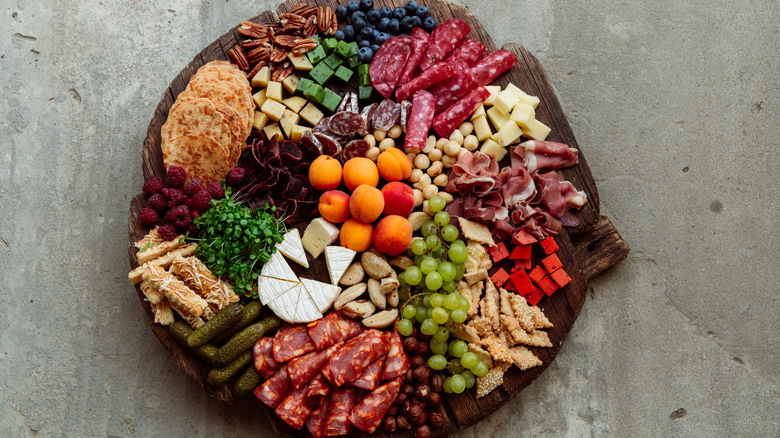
374 48
411 7
341 11
367 33
363 43
383 23
416 21
373 16
349 32
358 15
422 12
406 24
366 5
339 35
365 54
429 24
394 27
399 13
359 23
386 12
352 7
383 36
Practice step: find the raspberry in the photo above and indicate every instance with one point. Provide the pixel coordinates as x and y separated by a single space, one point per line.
167 232
200 201
180 216
192 230
195 214
148 216
176 176
236 175
152 185
216 191
193 187
158 202
175 197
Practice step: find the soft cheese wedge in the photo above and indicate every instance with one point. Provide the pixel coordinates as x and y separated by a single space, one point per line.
277 267
292 248
322 294
338 260
295 306
269 289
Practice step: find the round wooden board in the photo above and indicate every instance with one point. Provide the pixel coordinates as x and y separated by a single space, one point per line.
597 247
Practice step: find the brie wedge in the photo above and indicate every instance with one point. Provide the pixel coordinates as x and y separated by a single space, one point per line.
322 294
292 247
338 260
269 289
295 306
277 267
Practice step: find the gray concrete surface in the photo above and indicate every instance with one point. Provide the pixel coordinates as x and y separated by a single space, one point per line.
674 103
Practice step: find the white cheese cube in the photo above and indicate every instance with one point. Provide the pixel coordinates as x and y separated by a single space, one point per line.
497 118
288 121
297 133
262 78
479 112
494 90
259 98
273 109
522 114
291 83
536 130
318 235
311 114
274 91
272 129
490 147
508 133
261 119
300 62
481 128
505 101
522 96
295 103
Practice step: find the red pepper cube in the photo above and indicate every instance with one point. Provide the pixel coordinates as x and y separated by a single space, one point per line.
523 264
552 263
522 282
500 277
523 238
535 296
537 274
548 286
510 286
520 252
560 277
499 252
549 246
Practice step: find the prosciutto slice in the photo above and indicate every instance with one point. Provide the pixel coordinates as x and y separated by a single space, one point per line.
475 172
556 195
517 185
535 155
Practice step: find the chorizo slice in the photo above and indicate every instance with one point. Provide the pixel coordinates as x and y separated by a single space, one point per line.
319 388
397 362
291 341
368 414
295 408
369 380
315 423
264 357
274 390
350 361
332 329
303 368
437 73
341 403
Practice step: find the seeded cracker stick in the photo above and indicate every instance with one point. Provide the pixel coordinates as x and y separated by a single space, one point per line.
198 277
136 275
180 296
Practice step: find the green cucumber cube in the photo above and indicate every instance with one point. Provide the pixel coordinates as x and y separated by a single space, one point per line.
364 80
321 73
331 100
344 74
329 44
303 84
316 55
353 49
353 62
315 93
363 69
333 61
364 91
343 49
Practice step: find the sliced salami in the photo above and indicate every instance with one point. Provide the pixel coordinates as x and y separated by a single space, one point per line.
344 102
397 362
310 145
459 111
353 105
491 66
369 380
386 115
406 106
291 341
317 418
467 51
368 414
319 387
388 64
444 38
330 144
332 329
295 408
355 148
367 114
264 357
350 361
436 74
323 126
303 368
341 403
345 123
418 50
449 91
274 390
420 119
419 34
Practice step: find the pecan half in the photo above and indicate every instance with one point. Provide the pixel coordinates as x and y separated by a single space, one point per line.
253 43
281 72
303 46
288 41
254 31
308 12
310 28
298 8
239 58
292 21
255 70
258 54
278 54
323 18
334 24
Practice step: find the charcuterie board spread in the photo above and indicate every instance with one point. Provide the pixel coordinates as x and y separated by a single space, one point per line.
360 213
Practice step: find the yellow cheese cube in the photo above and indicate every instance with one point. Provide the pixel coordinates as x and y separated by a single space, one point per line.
288 120
274 109
505 101
481 128
259 98
272 129
274 91
490 147
300 62
536 130
494 137
524 98
261 119
291 83
522 114
311 114
494 90
508 134
297 132
497 118
262 78
479 112
295 103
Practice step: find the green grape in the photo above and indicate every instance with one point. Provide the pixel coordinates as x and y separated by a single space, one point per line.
460 270
480 369
437 300
436 204
449 232
452 328
463 304
447 388
429 312
418 246
433 280
405 327
440 316
433 242
403 295
458 348
428 327
401 280
441 218
437 362
413 275
470 379
421 316
459 243
458 315
447 271
428 228
451 301
469 360
438 347
418 259
442 334
458 254
448 286
426 301
409 311
428 265
457 383
439 253
458 369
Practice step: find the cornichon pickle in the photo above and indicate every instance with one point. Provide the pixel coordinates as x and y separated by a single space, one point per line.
250 313
218 376
223 320
247 382
244 340
181 332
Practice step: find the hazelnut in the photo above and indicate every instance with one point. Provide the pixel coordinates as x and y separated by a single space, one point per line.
422 348
430 144
421 420
403 423
422 431
466 128
440 181
447 196
415 413
415 332
424 337
408 390
436 420
422 373
440 143
418 196
430 191
388 424
406 407
452 148
437 383
415 175
409 376
416 361
449 161
393 411
422 393
471 143
400 399
457 137
434 399
422 161
410 344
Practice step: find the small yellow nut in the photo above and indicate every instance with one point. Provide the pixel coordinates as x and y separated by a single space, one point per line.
373 153
386 144
435 155
395 131
422 162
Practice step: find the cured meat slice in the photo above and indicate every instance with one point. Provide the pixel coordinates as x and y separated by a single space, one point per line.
444 38
291 341
368 414
437 73
367 114
535 155
386 115
274 390
303 368
317 418
264 357
350 361
449 91
332 329
345 123
420 119
295 408
355 148
452 117
491 66
330 145
468 52
318 388
388 64
419 34
370 377
341 403
406 106
418 50
397 362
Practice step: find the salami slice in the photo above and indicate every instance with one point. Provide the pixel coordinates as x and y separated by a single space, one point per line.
367 114
353 105
274 390
341 403
437 73
264 357
318 388
355 148
295 408
350 361
368 414
418 50
344 102
491 66
449 91
419 34
386 115
370 378
468 52
388 64
397 362
459 111
310 145
332 329
317 418
406 106
323 126
330 145
345 123
444 38
420 119
291 341
303 368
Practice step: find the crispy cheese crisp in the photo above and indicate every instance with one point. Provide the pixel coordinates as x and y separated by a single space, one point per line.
164 261
153 246
492 380
163 314
523 358
483 326
198 277
489 306
515 332
540 321
497 347
180 296
466 333
522 312
476 231
153 296
539 339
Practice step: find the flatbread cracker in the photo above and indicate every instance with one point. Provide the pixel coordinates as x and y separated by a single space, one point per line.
492 380
466 333
483 355
230 94
515 332
522 312
489 306
523 358
538 338
497 346
215 71
483 326
475 276
476 231
478 257
197 116
540 321
201 156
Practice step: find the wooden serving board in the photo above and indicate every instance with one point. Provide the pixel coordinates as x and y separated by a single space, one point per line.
586 250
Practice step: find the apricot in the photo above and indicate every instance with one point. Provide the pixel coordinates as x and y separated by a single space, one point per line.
356 235
334 206
392 235
366 203
360 170
394 165
399 199
325 173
